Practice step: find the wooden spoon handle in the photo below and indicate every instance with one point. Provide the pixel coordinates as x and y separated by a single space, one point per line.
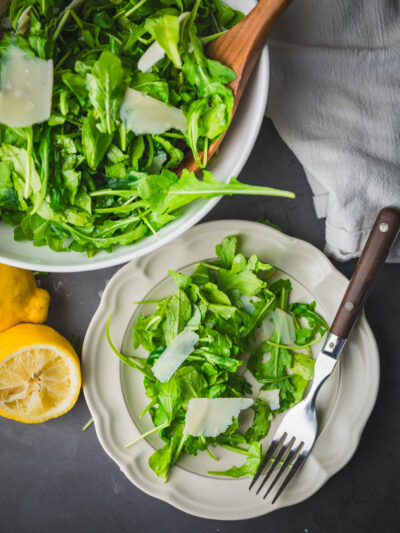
376 250
240 48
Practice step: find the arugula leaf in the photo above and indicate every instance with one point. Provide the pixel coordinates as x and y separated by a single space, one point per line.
279 286
299 384
25 177
303 365
134 362
169 398
260 425
248 468
77 84
308 312
260 310
269 363
225 363
151 84
190 382
215 296
94 143
161 460
217 342
245 282
165 193
182 280
189 188
165 30
175 154
227 16
177 314
106 90
226 251
201 275
8 197
281 289
220 72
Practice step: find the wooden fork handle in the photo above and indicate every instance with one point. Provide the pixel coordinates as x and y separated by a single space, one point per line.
374 254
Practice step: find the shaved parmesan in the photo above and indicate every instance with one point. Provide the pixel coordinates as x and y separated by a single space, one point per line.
284 325
155 52
143 114
267 326
271 397
175 354
23 21
152 55
212 416
247 302
25 90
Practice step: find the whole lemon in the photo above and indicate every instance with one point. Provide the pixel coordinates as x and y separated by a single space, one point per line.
20 299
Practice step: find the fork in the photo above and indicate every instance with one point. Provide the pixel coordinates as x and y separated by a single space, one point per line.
297 432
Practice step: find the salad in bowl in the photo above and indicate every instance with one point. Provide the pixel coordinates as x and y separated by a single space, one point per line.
99 101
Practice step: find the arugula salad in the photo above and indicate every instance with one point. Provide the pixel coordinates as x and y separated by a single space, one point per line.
229 315
99 99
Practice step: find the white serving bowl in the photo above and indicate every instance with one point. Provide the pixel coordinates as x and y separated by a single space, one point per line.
235 151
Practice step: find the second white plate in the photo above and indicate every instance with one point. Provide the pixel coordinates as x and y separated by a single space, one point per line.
115 394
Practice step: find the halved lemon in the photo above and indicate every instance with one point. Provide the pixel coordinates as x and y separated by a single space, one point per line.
40 376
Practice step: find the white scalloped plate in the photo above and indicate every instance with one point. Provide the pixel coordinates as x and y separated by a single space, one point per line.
115 396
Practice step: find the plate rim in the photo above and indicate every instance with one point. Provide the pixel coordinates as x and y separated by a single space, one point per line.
354 427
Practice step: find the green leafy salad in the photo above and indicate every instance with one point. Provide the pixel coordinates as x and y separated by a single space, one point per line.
229 315
99 100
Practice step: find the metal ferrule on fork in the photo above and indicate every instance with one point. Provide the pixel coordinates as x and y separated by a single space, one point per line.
333 345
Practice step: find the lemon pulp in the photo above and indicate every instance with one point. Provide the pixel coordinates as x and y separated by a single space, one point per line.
39 374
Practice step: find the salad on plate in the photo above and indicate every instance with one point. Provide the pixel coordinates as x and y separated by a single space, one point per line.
227 340
99 100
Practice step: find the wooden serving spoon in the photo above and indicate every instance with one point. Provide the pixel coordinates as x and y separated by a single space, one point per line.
239 49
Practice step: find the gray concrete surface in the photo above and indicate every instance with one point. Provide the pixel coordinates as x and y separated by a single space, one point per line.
56 479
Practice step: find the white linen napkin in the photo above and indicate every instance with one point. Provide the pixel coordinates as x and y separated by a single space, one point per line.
335 100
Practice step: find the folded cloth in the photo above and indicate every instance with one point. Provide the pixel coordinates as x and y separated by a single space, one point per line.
335 100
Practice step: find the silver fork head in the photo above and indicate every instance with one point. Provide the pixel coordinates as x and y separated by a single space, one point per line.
289 449
296 433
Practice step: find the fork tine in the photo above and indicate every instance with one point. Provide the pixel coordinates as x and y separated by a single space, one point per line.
294 450
279 456
295 468
272 447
